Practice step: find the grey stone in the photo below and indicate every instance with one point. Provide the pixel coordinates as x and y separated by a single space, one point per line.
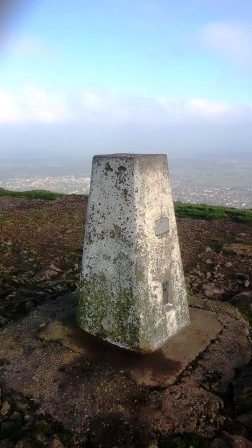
243 301
132 290
231 441
244 297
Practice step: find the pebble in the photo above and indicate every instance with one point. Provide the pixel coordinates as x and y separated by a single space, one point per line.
6 443
153 444
5 409
231 441
23 443
7 426
17 418
3 320
55 443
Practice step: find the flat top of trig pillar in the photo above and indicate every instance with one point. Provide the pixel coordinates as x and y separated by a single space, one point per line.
126 155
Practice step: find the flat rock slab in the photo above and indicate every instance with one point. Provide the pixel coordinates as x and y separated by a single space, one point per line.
159 368
92 387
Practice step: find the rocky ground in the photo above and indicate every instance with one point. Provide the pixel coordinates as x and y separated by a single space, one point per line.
40 255
40 251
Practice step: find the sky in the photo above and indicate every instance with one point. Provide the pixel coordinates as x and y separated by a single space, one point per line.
81 77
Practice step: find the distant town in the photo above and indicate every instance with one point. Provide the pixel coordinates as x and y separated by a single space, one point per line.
183 191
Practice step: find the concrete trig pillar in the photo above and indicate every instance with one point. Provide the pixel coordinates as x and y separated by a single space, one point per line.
132 290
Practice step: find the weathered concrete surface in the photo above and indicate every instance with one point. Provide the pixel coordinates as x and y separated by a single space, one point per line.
158 369
132 284
96 394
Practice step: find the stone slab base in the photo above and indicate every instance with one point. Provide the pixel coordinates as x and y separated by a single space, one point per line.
160 368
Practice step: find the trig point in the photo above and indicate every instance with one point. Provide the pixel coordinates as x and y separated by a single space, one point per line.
132 290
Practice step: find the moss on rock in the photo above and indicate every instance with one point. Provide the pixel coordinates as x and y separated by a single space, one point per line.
121 325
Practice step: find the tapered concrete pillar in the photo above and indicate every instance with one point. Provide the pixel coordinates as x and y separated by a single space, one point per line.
132 290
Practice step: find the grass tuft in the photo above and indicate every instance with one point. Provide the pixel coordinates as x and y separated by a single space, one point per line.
203 211
32 194
187 440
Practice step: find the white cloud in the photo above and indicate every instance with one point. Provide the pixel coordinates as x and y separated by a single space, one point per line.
91 100
42 106
9 110
209 108
232 40
32 105
36 105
